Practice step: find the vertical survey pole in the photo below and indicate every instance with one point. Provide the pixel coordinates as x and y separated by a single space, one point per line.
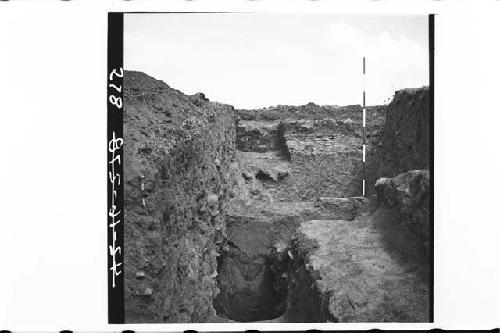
364 126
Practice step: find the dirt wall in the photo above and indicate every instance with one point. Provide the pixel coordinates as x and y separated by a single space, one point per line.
405 182
178 151
409 195
406 135
257 136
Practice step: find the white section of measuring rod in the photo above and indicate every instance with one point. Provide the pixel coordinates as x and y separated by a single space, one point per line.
364 117
364 152
363 187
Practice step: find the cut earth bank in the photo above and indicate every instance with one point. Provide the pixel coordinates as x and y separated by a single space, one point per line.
256 215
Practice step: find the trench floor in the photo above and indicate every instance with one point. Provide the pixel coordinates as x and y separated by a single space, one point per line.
372 271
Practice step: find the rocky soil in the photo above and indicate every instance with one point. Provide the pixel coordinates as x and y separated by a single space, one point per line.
256 215
178 152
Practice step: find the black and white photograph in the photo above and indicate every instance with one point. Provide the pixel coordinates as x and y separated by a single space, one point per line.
277 168
249 166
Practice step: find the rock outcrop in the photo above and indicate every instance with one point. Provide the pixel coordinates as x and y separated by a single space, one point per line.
178 152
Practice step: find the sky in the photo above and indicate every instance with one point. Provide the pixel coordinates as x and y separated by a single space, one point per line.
258 60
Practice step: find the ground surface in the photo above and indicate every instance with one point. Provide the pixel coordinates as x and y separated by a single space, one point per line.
366 278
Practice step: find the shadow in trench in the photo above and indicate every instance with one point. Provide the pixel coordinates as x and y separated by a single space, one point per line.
401 244
248 289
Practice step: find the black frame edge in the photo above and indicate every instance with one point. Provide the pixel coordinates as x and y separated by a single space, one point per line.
115 195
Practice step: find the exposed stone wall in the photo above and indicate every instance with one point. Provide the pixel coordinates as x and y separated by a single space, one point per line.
323 158
257 136
178 179
318 149
406 138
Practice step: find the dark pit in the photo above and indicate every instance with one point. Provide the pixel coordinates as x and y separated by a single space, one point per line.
250 293
249 280
264 176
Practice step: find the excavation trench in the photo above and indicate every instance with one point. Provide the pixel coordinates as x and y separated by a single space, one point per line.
251 288
261 277
262 274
